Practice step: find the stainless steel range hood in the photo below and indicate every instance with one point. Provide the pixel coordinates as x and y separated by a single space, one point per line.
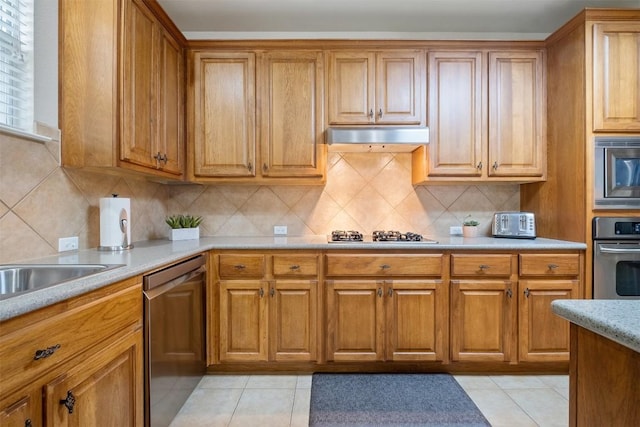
376 139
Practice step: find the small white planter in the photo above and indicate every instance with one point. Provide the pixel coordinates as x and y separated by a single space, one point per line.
184 233
469 231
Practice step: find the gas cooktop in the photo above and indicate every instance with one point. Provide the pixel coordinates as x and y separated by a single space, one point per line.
378 236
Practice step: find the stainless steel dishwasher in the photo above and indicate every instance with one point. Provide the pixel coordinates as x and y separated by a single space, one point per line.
174 337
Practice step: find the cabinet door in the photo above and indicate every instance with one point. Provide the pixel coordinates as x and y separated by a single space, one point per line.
291 114
140 77
616 77
355 320
517 109
351 90
543 336
456 113
293 329
482 318
416 319
103 389
243 321
399 87
171 106
223 109
24 411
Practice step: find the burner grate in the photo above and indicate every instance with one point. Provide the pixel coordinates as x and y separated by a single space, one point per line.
346 236
395 236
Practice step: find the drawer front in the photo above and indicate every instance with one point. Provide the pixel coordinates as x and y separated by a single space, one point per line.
295 265
384 265
549 264
29 352
481 265
235 266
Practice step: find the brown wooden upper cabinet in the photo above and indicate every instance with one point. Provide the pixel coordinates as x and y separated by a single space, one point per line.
129 118
486 117
616 76
237 97
383 87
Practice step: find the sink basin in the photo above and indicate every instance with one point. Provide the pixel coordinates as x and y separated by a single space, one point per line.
18 278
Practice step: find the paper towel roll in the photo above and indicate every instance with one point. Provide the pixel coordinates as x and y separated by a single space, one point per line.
115 227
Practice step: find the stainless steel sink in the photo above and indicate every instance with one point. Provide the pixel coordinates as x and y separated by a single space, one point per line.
19 278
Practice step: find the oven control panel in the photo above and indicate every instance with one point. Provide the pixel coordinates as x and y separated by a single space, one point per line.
627 227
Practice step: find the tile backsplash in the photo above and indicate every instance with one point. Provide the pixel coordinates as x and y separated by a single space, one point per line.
41 202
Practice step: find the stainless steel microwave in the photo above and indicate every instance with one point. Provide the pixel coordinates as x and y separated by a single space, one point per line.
617 173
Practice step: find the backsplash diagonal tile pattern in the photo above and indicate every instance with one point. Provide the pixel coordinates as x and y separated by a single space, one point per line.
41 202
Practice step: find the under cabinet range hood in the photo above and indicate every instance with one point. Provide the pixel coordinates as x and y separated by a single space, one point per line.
376 139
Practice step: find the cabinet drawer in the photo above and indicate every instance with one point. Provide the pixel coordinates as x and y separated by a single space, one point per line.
549 264
27 353
235 266
384 265
481 265
295 265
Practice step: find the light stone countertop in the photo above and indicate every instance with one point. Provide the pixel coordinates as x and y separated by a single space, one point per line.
617 320
150 255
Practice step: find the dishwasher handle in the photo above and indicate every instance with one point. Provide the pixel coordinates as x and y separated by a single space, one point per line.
177 273
166 287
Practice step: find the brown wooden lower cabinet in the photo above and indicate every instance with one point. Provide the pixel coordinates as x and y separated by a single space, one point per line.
603 381
85 352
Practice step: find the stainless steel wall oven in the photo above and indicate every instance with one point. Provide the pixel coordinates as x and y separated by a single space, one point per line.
616 258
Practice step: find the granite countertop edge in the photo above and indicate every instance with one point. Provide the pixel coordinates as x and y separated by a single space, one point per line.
617 320
150 255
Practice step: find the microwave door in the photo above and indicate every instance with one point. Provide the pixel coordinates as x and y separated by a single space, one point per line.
623 173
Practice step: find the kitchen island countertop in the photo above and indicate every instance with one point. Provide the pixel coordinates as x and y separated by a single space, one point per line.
150 255
617 320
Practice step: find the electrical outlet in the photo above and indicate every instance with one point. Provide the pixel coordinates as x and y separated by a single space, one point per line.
67 244
280 229
455 230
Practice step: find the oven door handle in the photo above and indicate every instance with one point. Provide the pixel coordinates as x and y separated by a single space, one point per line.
618 250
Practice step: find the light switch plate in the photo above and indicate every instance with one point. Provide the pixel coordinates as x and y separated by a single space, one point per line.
280 230
67 244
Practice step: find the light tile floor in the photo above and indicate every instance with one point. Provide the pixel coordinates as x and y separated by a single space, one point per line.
283 400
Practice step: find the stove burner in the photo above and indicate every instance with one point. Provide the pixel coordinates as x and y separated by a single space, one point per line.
346 236
395 236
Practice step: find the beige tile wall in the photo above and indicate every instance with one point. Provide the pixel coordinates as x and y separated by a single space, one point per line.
41 202
364 191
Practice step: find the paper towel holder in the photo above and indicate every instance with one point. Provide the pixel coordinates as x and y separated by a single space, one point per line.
122 226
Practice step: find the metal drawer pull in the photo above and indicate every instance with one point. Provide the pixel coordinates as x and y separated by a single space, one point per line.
239 266
69 402
43 354
483 267
385 267
294 268
553 266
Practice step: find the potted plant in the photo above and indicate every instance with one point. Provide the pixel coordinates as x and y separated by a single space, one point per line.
184 227
469 227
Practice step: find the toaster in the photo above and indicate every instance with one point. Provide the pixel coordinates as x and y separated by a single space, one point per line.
514 225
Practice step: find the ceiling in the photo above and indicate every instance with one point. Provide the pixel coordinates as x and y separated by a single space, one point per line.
515 19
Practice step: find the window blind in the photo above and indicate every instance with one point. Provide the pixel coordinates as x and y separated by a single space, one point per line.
16 64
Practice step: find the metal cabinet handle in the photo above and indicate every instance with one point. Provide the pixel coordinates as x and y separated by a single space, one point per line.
294 267
509 293
250 166
69 402
261 292
27 423
272 292
479 167
265 167
385 267
240 266
43 354
483 267
380 292
526 292
371 113
495 166
390 292
380 113
553 266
